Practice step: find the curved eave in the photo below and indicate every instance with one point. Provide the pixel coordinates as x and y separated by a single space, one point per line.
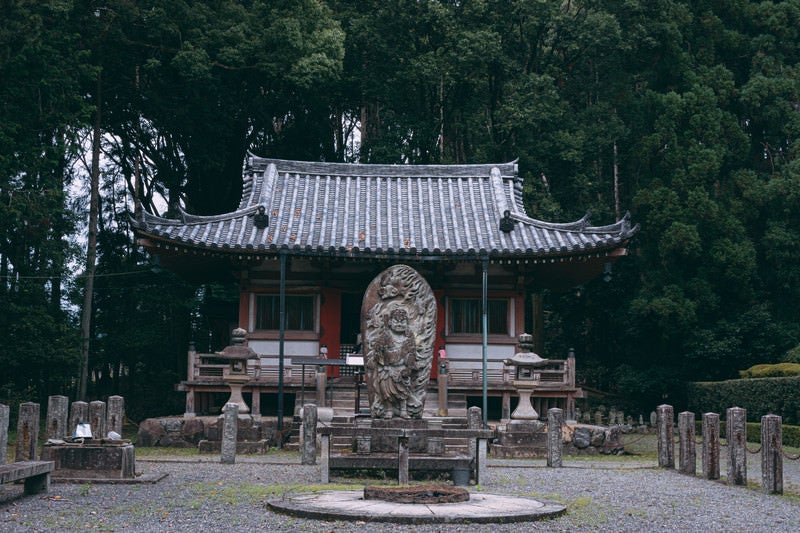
155 241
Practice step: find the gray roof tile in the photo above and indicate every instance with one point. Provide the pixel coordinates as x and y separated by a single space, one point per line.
362 210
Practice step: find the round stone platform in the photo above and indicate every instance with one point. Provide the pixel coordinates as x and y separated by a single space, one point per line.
351 505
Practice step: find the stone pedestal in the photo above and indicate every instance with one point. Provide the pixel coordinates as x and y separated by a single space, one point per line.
236 382
416 444
521 438
524 410
93 459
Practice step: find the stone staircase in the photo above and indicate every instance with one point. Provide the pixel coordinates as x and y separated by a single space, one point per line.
342 397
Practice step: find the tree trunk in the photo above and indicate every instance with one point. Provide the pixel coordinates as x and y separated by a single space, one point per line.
91 246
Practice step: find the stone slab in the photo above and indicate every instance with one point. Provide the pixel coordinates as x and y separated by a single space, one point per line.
481 508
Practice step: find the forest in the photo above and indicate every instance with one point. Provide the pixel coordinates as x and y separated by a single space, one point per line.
685 113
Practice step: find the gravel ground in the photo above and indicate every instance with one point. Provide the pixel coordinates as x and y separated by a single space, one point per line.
200 494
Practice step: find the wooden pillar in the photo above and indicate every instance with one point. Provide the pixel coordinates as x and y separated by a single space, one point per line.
537 322
255 401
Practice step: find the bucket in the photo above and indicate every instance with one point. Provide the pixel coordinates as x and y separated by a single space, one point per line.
460 476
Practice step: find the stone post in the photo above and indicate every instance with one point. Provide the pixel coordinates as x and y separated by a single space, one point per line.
116 414
79 412
771 454
555 419
687 454
56 421
28 432
309 444
322 385
5 414
666 430
480 461
736 435
230 428
97 419
711 446
474 421
325 457
402 460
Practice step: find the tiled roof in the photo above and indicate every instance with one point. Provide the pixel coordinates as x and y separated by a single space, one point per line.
386 210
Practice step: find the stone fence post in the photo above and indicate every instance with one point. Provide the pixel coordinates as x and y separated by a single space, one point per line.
474 421
28 432
736 435
230 429
771 454
79 412
97 419
555 419
666 429
56 421
711 446
116 414
5 414
687 462
309 444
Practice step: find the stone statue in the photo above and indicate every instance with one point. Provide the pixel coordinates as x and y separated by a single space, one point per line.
398 324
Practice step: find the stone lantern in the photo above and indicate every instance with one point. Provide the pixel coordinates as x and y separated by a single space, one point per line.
235 375
526 377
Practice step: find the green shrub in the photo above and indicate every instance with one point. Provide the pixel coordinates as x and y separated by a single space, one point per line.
790 434
761 396
778 370
793 355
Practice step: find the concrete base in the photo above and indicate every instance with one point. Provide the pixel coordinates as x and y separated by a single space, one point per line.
481 508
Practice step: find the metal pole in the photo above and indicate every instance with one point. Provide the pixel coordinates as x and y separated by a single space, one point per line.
485 331
282 326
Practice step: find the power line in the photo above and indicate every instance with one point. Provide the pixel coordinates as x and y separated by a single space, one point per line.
78 276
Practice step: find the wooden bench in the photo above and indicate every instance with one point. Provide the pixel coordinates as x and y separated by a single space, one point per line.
35 473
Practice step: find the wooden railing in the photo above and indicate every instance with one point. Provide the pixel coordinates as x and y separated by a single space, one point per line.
557 373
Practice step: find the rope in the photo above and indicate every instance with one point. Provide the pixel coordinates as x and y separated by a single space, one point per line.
791 457
628 443
752 451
